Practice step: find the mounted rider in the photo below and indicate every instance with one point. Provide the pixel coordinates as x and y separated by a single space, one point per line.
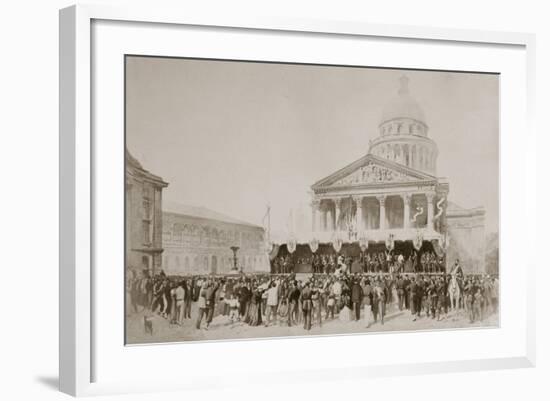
456 270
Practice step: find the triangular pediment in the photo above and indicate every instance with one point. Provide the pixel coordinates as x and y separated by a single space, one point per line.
372 170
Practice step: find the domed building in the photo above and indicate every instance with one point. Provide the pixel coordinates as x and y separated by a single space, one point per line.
393 196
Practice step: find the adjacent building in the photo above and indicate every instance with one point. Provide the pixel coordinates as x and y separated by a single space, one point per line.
143 213
197 240
467 238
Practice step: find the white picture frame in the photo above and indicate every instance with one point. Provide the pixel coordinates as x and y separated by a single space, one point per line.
78 160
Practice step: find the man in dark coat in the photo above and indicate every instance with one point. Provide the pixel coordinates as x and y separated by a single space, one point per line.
244 295
457 269
211 300
307 305
293 298
419 296
356 299
380 297
407 295
400 287
413 288
441 289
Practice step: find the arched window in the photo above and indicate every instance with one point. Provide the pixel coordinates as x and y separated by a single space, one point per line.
406 155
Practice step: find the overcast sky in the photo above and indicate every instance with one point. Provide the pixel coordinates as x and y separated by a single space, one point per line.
235 136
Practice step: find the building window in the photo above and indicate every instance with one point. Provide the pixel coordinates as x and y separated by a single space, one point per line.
146 228
146 208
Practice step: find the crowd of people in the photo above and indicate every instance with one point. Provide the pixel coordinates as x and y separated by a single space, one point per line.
268 299
368 262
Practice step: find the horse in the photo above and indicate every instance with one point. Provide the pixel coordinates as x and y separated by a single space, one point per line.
454 292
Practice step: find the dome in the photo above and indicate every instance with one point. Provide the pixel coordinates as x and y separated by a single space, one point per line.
403 133
403 105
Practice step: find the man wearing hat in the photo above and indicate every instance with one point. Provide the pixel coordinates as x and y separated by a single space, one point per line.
272 300
380 300
244 294
419 295
457 269
307 305
293 297
356 299
441 289
400 287
203 305
367 301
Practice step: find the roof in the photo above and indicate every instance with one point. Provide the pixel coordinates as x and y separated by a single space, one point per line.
454 210
402 171
134 165
202 213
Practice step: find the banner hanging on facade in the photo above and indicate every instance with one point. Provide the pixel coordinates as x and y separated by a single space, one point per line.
363 243
314 245
417 241
291 245
390 242
337 244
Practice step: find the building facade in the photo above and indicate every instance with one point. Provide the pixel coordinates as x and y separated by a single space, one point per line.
394 192
467 241
143 210
198 241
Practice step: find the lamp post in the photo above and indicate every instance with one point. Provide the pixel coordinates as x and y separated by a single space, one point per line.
234 249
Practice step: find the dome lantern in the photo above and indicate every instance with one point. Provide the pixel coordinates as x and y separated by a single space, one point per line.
404 89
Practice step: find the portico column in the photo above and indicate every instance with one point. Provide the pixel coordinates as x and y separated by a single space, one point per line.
320 216
407 211
314 219
330 222
430 197
337 214
382 200
359 214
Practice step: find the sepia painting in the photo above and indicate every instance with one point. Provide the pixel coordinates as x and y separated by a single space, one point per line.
277 200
